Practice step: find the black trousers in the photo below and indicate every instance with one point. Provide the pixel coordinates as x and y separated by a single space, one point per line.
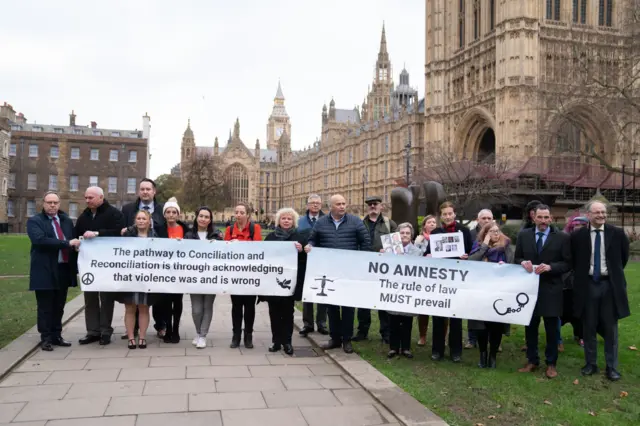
531 335
400 327
281 316
172 311
50 305
439 326
243 307
490 337
321 315
341 323
599 315
364 322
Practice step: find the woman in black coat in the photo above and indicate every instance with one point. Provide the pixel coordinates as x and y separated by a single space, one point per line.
281 308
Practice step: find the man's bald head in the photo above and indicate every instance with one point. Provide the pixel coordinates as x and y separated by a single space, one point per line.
338 206
94 196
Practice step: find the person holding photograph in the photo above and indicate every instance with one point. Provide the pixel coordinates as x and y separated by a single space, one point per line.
449 225
491 246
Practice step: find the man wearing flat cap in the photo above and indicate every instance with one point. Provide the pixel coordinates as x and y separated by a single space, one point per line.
377 225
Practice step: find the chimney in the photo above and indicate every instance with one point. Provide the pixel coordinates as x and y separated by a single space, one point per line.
72 119
20 118
94 124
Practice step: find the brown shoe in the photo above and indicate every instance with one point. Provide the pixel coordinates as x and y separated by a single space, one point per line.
529 368
561 347
551 372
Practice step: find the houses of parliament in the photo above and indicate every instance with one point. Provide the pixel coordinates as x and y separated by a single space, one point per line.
362 150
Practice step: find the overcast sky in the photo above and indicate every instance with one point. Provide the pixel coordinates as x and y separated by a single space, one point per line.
208 60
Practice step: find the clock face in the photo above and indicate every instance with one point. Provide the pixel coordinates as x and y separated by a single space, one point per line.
279 131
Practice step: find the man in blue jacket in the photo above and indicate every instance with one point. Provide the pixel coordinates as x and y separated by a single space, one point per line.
343 231
308 221
51 272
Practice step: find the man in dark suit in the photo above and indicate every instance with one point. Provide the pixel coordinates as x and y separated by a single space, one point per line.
51 272
343 231
547 252
99 219
600 254
147 201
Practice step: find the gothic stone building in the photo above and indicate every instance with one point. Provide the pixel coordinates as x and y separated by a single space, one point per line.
493 72
362 151
68 159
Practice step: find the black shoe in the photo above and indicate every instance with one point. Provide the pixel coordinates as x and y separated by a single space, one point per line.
288 349
305 331
89 339
613 375
323 331
248 340
360 337
132 344
392 354
167 338
61 342
492 361
483 360
589 370
175 338
105 340
235 341
142 343
46 346
407 354
436 357
348 349
332 344
275 348
456 358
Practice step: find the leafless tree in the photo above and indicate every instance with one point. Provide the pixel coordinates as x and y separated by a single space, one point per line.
470 184
205 183
590 104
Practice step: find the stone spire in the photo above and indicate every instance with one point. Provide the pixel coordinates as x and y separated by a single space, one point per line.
236 129
383 55
279 94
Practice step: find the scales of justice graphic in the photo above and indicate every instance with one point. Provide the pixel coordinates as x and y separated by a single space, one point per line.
323 284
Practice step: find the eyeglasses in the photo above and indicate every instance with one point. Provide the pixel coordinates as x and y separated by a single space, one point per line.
494 231
372 204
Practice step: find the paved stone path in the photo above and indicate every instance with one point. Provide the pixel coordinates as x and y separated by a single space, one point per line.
177 384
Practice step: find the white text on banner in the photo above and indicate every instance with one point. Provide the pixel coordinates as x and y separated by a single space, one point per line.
156 265
421 285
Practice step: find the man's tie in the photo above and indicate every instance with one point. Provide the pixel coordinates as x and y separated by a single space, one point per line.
60 235
313 220
539 242
145 208
596 256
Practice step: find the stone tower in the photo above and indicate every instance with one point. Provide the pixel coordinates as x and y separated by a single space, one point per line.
278 122
187 147
379 98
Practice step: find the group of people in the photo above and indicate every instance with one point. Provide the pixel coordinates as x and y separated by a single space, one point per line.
581 274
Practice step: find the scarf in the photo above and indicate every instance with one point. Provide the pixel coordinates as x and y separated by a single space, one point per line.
449 228
283 234
496 254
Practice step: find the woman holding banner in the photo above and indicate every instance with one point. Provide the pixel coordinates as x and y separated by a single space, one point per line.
492 246
281 307
173 301
428 224
138 301
400 323
243 230
202 304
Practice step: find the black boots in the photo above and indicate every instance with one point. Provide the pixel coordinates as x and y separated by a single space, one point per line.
492 360
235 341
248 339
483 360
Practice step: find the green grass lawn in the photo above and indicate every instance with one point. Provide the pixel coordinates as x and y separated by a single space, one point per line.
17 303
466 395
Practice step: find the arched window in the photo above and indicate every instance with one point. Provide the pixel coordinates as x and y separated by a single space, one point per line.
569 138
239 183
5 185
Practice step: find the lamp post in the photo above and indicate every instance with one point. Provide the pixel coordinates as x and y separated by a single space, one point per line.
364 180
634 158
407 151
624 195
267 207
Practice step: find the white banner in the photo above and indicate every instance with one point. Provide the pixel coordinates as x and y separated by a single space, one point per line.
160 265
421 285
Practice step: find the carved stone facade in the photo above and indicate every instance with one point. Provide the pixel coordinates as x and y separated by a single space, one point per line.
494 70
362 151
5 137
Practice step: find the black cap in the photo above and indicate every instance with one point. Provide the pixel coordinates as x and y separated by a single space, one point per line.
373 199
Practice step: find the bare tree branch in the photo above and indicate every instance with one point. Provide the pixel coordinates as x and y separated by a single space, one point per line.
205 184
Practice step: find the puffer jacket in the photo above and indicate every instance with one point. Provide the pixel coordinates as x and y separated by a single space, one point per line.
350 235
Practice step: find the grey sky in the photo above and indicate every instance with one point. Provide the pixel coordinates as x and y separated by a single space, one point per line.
211 61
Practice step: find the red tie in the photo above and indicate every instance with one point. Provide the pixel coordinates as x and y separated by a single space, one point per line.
65 252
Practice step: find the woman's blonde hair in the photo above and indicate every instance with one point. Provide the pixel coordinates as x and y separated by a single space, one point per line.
502 241
426 218
289 211
146 213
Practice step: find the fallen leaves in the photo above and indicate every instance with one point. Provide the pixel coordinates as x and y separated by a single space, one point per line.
576 382
593 413
547 402
491 417
633 348
624 394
